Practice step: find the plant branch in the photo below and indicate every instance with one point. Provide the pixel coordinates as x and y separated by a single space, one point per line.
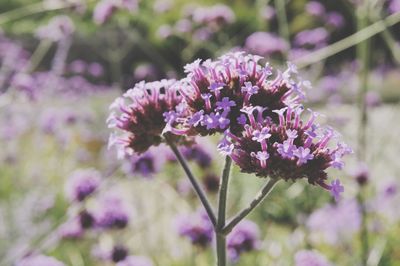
256 201
195 185
223 190
354 39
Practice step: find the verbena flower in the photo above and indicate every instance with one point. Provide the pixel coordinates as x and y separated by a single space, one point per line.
82 183
39 260
243 238
197 228
140 115
310 258
219 93
262 119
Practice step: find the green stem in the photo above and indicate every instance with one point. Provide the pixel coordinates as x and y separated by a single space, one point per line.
195 185
354 39
363 54
282 19
38 55
254 203
223 190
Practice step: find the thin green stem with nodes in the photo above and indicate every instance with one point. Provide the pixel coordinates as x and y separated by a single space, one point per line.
363 55
193 181
254 203
223 190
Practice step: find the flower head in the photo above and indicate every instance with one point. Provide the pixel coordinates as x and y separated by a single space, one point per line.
218 92
141 114
284 145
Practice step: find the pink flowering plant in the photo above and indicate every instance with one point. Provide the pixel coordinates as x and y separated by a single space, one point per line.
259 116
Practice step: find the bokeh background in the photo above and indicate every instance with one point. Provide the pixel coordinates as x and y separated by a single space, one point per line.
63 62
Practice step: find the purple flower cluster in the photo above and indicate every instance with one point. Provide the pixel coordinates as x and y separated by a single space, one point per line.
265 44
146 164
196 227
81 184
141 114
112 213
104 9
201 22
335 222
261 118
243 238
59 28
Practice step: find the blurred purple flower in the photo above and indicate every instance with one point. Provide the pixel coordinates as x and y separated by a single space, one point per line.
200 153
58 28
162 6
211 183
361 174
112 213
82 183
267 12
334 223
315 8
265 44
310 258
315 37
145 71
335 20
39 260
78 66
394 6
243 238
196 227
95 69
146 164
373 99
215 16
164 31
103 11
183 26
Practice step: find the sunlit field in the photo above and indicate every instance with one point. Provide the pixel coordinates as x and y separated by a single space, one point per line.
171 132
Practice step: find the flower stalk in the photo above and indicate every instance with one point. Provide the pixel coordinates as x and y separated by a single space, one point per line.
363 54
220 236
254 203
195 184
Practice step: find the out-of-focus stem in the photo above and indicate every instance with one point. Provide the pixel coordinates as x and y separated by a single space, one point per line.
38 55
282 19
254 203
354 39
223 189
194 183
363 55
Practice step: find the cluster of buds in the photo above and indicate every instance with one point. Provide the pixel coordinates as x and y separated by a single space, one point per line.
140 115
